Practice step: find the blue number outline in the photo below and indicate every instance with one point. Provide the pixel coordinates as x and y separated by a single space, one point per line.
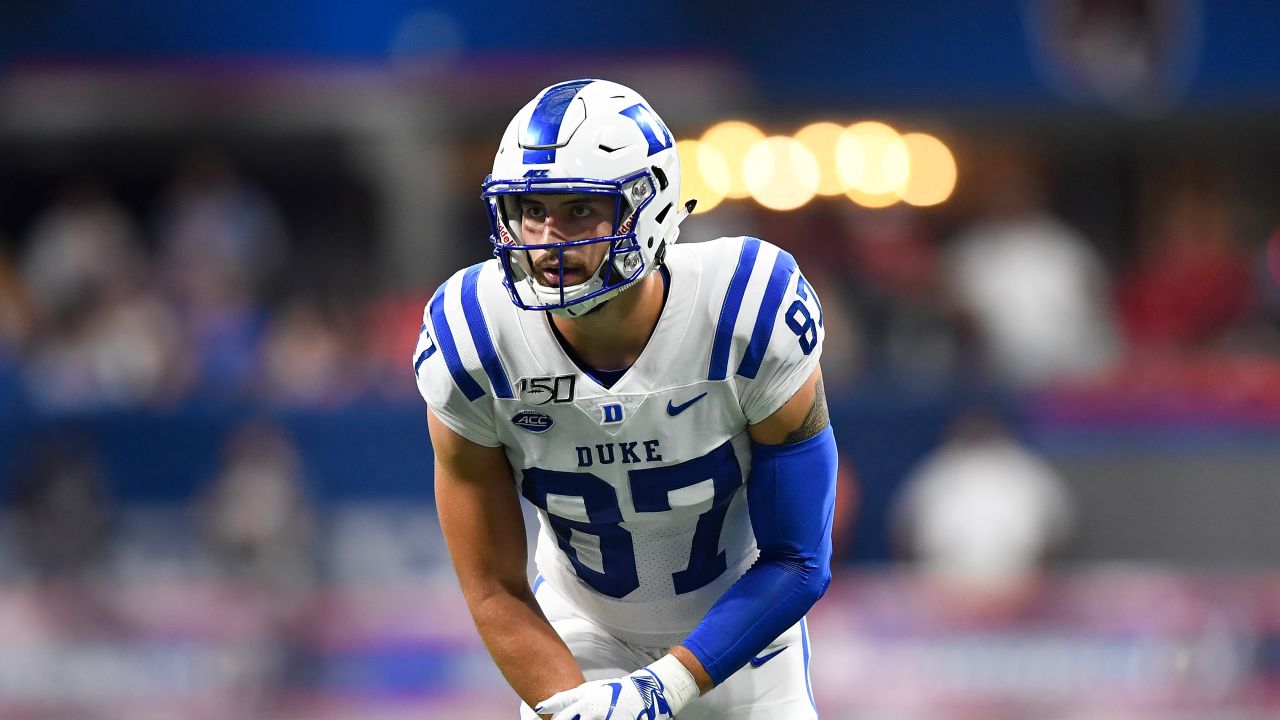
650 492
428 351
617 551
802 329
804 291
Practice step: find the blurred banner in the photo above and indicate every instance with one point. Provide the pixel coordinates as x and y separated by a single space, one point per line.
1137 55
1118 644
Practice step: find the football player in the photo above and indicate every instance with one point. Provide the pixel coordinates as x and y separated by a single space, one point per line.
661 406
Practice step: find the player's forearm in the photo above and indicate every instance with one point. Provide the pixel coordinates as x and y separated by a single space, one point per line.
791 497
771 597
528 652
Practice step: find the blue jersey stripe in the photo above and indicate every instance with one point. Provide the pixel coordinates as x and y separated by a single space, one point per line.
804 643
723 341
480 333
543 129
783 267
444 338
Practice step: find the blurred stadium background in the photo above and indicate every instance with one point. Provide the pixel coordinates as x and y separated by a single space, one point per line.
1047 238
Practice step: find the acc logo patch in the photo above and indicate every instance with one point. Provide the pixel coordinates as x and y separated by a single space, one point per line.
533 421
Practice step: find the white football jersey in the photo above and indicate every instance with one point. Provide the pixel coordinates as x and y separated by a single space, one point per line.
640 487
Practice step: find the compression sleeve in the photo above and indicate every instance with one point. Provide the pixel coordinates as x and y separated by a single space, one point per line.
791 498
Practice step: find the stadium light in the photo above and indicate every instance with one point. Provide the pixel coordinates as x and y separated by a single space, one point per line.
821 139
873 163
869 162
933 171
704 174
781 173
734 138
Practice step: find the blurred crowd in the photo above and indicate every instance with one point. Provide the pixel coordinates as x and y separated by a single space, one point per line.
1017 298
199 301
246 601
100 309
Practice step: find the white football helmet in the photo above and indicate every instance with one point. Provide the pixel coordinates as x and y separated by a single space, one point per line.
586 137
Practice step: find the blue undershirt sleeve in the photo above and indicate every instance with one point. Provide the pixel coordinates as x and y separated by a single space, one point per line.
791 498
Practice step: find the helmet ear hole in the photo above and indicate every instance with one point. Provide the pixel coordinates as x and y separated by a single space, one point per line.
662 179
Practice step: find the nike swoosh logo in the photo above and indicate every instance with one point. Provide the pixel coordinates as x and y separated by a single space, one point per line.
613 702
674 410
758 661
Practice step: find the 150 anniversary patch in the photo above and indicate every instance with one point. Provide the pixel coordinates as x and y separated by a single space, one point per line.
549 389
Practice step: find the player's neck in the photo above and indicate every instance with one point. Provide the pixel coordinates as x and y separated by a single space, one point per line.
614 337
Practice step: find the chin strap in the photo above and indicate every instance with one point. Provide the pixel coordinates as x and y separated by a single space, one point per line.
685 211
577 309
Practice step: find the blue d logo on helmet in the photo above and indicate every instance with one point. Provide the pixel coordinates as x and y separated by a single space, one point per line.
586 137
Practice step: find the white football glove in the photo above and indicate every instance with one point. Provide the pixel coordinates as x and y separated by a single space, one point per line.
656 691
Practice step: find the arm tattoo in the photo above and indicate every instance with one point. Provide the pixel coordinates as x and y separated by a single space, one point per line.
814 421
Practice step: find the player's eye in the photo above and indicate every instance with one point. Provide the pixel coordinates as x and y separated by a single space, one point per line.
582 211
534 212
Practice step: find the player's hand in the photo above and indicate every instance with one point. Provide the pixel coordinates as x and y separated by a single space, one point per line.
658 691
627 697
